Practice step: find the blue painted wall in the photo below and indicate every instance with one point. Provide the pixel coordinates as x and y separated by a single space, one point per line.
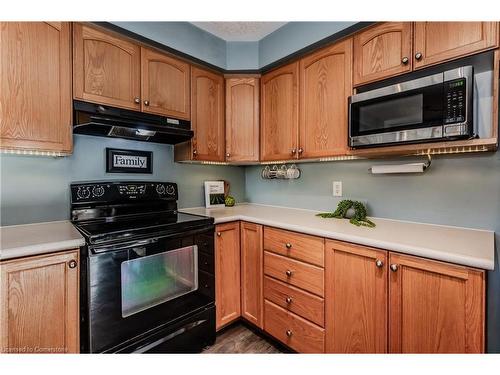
294 36
34 189
183 37
456 190
242 55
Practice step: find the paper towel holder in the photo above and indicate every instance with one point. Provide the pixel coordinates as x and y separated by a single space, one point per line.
402 168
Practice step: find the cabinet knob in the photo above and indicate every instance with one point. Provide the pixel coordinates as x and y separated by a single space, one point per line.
405 60
288 300
72 264
146 102
137 100
394 267
379 263
288 245
418 56
288 273
289 333
195 152
218 234
228 155
293 151
301 150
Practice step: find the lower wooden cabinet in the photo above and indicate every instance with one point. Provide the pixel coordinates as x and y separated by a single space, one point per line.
39 308
355 298
252 273
227 273
435 307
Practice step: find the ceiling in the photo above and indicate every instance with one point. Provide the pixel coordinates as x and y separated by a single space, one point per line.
239 31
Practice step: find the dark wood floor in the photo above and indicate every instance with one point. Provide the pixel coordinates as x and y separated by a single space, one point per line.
240 339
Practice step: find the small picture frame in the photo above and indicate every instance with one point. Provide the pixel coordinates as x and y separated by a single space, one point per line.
128 161
214 194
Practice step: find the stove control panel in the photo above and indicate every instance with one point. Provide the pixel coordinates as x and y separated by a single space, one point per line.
116 191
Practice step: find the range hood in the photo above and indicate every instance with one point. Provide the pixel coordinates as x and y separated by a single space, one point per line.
106 121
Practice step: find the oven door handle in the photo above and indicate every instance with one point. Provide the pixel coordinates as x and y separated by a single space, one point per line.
103 249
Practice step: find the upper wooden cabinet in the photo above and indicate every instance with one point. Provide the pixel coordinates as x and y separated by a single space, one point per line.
165 85
382 51
106 69
242 119
279 113
356 298
39 308
252 256
435 307
227 273
325 86
35 86
437 42
207 115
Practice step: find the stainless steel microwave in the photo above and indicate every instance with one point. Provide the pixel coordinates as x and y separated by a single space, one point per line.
432 108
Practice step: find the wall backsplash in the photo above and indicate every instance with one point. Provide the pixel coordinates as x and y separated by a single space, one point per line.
34 189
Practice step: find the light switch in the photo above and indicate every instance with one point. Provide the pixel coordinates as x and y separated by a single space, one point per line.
337 188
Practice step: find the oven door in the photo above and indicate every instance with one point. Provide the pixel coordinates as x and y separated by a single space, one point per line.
403 113
139 287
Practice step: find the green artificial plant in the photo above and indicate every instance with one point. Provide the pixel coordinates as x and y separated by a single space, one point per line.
359 218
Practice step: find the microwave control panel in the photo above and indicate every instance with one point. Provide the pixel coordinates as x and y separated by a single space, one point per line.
455 97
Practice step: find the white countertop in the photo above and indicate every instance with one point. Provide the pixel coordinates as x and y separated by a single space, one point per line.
32 239
470 247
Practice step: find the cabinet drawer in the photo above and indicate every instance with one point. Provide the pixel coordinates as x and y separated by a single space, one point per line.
292 330
302 275
299 246
295 300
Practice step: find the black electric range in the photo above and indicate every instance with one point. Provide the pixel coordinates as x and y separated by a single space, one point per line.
147 274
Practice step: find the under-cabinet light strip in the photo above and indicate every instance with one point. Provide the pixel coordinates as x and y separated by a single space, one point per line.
32 152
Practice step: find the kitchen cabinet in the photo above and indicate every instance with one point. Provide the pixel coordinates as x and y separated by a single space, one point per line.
39 310
242 119
382 51
227 273
435 307
207 119
165 85
106 68
252 273
356 298
436 42
325 86
35 89
279 113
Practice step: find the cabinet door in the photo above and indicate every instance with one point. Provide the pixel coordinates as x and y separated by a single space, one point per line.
252 269
35 86
242 119
325 86
165 85
356 299
382 51
279 113
106 69
436 42
39 309
207 115
227 273
435 307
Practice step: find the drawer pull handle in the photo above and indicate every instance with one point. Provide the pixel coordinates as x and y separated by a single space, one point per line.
379 263
288 245
394 267
72 264
289 333
288 273
289 300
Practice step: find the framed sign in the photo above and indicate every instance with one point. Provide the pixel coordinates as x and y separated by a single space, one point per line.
128 161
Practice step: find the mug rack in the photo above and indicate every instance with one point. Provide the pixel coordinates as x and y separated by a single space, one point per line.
282 172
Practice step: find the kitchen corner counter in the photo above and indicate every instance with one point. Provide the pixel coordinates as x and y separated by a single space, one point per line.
40 238
469 247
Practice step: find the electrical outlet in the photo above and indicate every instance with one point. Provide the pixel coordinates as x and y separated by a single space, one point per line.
337 188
